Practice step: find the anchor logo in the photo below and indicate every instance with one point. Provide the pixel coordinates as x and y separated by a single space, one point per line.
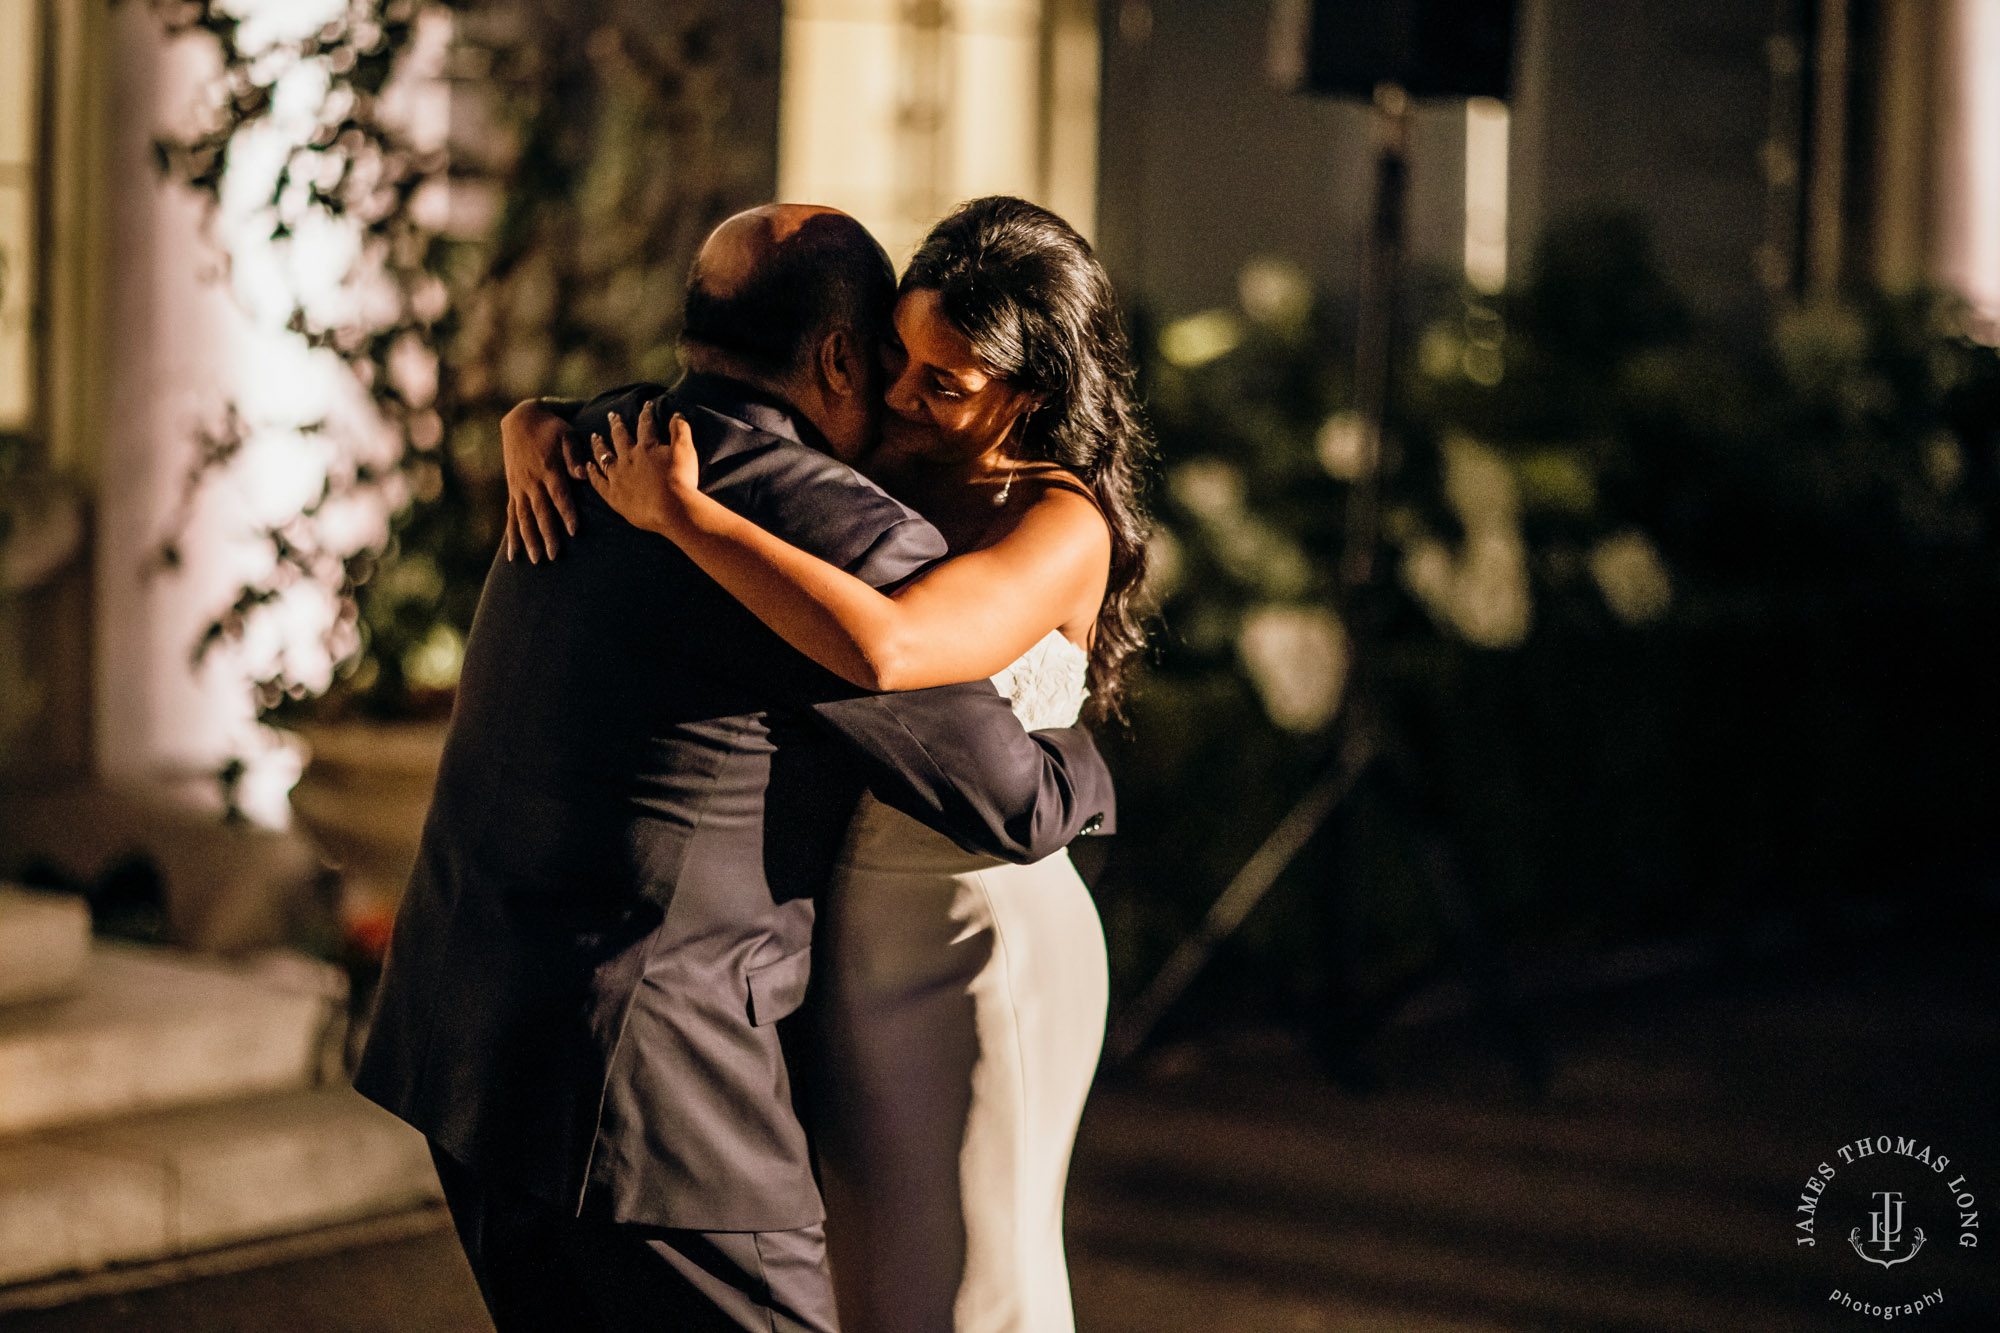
1885 1232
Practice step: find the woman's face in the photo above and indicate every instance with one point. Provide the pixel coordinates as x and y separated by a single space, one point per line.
944 406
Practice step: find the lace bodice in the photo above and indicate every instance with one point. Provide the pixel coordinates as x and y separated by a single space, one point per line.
1046 684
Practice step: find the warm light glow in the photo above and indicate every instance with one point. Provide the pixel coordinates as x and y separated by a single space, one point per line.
1974 239
897 112
306 419
1486 194
20 131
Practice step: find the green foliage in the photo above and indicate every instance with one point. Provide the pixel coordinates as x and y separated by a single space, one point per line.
1679 630
593 145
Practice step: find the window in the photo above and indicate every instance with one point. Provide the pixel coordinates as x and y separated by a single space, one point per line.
20 144
897 110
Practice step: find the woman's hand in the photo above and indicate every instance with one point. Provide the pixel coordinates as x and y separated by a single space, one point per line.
652 485
535 450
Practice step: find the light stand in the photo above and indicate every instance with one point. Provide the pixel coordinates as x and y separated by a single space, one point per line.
1364 746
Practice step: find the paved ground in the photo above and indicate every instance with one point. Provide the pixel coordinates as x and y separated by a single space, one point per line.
1228 1188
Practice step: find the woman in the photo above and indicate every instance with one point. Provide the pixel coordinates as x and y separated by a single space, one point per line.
966 997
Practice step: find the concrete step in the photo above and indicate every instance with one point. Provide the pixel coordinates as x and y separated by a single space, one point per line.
148 1029
44 940
231 886
157 1186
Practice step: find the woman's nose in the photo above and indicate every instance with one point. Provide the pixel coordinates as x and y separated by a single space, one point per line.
902 397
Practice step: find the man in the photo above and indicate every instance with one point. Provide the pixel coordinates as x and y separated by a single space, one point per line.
642 791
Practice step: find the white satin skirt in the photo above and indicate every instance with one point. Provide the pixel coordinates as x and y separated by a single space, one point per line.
964 1003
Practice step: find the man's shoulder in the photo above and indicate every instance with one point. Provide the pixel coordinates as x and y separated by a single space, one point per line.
773 477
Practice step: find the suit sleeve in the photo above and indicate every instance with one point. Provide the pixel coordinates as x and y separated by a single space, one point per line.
593 414
956 759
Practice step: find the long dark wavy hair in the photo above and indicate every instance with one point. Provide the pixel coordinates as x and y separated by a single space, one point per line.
1038 309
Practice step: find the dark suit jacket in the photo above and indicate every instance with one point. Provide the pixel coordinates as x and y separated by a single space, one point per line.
642 792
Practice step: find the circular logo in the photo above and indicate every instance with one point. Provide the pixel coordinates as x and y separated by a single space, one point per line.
1890 1225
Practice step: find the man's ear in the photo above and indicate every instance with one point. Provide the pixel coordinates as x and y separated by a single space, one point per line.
841 367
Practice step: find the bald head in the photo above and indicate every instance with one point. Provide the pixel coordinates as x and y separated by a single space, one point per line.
746 243
771 282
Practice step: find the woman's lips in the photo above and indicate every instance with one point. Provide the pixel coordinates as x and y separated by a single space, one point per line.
903 435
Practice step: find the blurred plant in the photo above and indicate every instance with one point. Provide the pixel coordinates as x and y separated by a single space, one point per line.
1682 629
13 449
541 251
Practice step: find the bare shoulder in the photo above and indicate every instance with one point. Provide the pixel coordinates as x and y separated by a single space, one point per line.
1053 506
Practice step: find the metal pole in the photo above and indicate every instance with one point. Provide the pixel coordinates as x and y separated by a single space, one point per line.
1373 339
1376 327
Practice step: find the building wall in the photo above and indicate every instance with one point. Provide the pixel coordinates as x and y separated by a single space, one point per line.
1206 163
171 333
1661 109
897 112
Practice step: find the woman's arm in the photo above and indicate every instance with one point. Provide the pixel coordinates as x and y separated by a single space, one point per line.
963 619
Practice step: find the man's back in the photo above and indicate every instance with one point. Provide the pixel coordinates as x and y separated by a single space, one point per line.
614 899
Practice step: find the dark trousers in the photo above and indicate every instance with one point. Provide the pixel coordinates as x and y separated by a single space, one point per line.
543 1271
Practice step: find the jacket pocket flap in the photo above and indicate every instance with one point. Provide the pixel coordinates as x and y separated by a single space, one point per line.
778 988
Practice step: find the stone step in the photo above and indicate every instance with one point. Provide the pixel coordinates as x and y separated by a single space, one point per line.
175 1183
44 940
148 1029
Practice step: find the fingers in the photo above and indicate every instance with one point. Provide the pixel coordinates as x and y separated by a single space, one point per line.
649 437
546 522
510 540
621 436
682 460
576 457
521 527
601 456
558 491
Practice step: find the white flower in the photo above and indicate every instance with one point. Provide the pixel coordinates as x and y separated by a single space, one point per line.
1200 339
1492 594
1208 487
1478 483
1274 291
435 663
1258 554
1164 564
1297 658
1343 446
1632 578
1430 573
1944 461
1481 592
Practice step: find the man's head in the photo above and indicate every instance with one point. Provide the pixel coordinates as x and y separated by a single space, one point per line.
796 299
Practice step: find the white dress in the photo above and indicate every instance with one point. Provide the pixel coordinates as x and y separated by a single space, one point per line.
965 1000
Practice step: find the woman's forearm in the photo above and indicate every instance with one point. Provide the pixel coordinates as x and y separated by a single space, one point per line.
821 610
961 620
